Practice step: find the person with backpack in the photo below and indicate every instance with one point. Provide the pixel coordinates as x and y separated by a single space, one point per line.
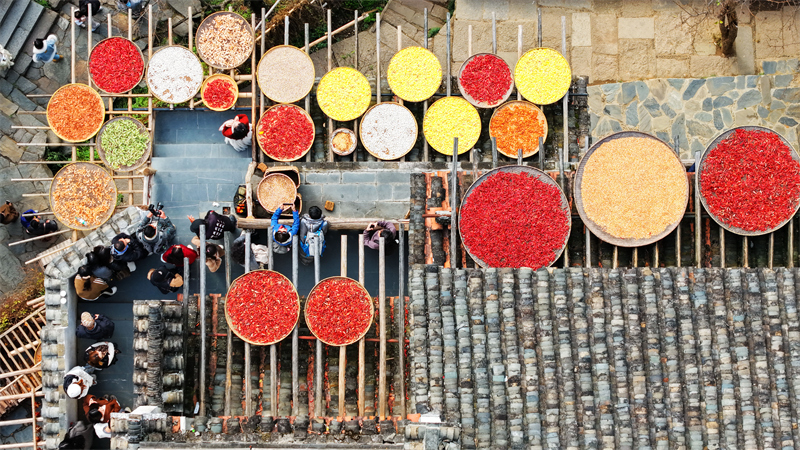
313 228
165 279
101 263
282 235
156 232
216 224
89 287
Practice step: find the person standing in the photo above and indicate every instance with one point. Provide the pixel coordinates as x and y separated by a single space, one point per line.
214 254
8 213
313 228
238 132
77 382
44 50
89 287
165 279
128 249
216 224
156 233
100 355
281 235
97 327
82 14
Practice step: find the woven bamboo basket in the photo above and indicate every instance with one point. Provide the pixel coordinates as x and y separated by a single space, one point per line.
61 175
699 170
270 183
592 225
471 99
141 161
533 172
245 338
99 101
220 76
204 27
258 130
273 94
372 151
353 144
542 120
141 55
150 88
366 297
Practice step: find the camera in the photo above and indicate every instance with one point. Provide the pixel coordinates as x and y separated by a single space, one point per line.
156 210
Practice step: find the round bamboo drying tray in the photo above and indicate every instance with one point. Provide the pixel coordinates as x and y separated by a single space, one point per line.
353 144
207 23
471 99
266 113
62 174
290 76
419 84
99 100
366 296
699 170
592 225
269 199
141 55
528 88
246 339
152 91
141 161
220 76
533 172
373 151
542 119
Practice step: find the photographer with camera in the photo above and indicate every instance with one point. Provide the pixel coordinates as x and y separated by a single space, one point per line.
215 223
156 232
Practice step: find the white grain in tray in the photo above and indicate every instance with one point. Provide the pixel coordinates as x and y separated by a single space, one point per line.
388 130
174 74
285 74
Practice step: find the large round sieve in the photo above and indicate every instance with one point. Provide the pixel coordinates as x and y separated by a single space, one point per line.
532 172
469 98
597 229
699 170
206 27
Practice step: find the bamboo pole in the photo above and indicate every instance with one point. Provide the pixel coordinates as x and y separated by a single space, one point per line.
400 321
45 255
295 337
342 349
37 238
698 255
330 67
355 64
425 153
361 342
341 28
382 322
308 97
378 58
89 32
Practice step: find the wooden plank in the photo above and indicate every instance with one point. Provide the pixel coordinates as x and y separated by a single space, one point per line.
342 349
382 397
361 342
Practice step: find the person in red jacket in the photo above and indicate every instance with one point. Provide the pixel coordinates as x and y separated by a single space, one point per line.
238 132
175 254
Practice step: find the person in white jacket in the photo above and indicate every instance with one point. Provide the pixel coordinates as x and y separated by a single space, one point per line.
77 382
44 50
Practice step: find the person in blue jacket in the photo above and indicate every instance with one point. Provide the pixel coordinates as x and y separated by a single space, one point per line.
281 235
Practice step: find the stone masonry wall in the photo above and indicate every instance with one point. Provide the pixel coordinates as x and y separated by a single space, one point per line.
691 112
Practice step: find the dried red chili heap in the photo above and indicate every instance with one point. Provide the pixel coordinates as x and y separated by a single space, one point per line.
219 94
116 65
750 181
338 311
514 220
486 78
262 306
285 132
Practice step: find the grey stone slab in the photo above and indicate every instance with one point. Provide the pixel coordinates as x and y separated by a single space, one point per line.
25 85
5 87
322 177
718 120
24 27
783 80
632 115
401 192
628 92
722 101
752 98
707 104
341 192
788 121
20 99
720 85
789 95
12 75
769 67
692 88
10 21
358 177
5 124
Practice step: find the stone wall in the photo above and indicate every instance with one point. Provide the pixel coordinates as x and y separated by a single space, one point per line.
589 358
691 112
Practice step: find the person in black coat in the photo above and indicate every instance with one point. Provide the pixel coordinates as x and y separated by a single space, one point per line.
215 224
97 327
127 248
165 279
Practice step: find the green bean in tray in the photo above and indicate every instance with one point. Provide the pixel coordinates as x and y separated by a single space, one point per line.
123 142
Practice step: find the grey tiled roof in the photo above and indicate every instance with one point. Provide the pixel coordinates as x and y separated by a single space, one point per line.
572 358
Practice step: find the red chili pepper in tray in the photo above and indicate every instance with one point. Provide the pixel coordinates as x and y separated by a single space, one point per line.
750 180
116 65
338 311
263 306
285 132
514 220
219 94
486 78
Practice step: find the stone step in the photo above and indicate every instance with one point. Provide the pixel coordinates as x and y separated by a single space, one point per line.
11 19
25 27
5 7
189 165
41 30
